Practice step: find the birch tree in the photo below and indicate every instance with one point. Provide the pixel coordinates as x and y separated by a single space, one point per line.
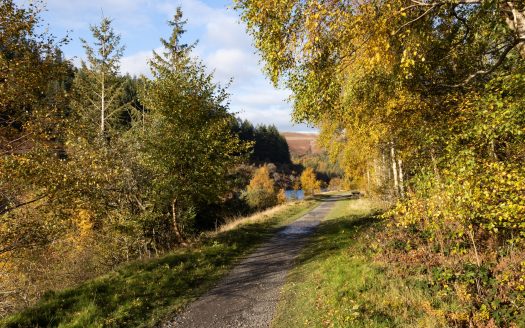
444 79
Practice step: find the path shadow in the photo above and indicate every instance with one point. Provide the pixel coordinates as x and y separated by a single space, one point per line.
334 235
336 198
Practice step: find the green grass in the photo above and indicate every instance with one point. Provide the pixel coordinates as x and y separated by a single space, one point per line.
337 283
143 293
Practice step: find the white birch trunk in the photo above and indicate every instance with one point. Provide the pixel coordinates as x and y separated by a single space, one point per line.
401 178
394 170
368 179
386 169
515 19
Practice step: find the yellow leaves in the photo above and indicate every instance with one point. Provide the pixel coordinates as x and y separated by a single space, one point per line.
309 181
281 196
84 222
261 180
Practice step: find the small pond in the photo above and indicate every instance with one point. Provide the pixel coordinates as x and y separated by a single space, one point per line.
294 194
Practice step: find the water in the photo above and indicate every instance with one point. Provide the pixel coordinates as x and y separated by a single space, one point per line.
294 194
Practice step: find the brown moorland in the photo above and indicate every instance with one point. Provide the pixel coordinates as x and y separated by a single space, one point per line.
302 143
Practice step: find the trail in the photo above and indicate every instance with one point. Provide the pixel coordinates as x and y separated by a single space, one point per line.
248 295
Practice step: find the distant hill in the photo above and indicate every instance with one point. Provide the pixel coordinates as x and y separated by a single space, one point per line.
301 143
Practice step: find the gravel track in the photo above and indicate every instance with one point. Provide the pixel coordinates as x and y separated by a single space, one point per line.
248 295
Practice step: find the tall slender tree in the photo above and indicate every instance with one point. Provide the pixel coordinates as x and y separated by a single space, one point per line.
98 90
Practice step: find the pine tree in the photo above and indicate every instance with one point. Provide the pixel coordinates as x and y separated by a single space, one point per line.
188 144
98 90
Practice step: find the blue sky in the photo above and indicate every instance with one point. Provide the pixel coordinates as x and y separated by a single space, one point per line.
224 46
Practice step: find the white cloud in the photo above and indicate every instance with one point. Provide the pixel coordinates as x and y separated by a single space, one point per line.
261 96
225 30
232 63
136 64
226 49
224 46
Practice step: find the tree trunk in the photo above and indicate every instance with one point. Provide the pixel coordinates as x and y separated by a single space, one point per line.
385 165
102 106
394 170
493 150
401 178
515 19
368 180
377 173
434 166
176 228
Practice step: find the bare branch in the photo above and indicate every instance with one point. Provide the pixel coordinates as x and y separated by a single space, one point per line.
416 19
9 209
490 70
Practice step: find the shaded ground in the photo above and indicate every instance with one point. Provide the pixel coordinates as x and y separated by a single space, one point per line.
248 295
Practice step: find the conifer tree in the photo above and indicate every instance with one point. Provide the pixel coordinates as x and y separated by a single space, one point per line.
98 89
188 144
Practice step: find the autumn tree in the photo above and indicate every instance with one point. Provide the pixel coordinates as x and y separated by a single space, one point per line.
421 101
33 84
309 182
260 193
281 196
378 80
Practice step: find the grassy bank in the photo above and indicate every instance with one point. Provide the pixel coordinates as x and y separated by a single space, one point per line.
143 293
337 282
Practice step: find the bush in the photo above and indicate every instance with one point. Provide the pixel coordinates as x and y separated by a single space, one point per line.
260 199
261 192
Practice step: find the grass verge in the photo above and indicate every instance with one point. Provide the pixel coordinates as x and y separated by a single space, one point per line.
337 282
143 293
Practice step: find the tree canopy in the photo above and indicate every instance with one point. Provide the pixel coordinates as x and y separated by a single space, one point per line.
188 145
422 103
269 146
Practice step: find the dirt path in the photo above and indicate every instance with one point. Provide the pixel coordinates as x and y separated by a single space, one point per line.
248 295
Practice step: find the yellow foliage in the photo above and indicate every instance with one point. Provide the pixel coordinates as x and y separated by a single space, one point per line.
261 180
260 192
281 196
309 182
84 223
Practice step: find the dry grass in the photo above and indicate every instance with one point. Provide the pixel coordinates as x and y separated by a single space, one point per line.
256 218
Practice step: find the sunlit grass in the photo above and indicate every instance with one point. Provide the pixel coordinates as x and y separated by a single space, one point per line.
337 283
145 292
259 217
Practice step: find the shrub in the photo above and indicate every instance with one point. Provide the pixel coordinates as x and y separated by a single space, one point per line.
261 192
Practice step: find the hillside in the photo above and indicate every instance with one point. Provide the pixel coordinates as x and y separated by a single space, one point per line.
302 143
